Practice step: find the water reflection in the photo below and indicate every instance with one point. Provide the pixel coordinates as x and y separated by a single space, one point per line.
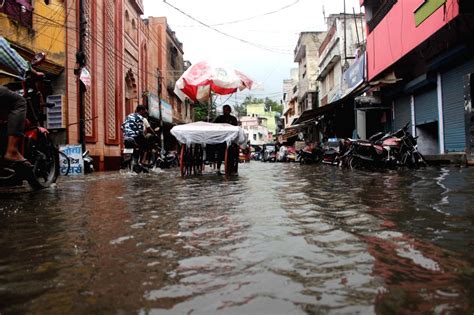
280 239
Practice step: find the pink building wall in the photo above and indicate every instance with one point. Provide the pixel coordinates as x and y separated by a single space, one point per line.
396 35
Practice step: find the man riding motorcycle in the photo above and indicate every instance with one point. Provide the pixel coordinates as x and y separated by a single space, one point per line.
134 128
137 131
15 105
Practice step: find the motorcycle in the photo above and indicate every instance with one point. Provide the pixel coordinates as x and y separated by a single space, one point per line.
131 157
331 151
390 150
291 154
269 154
88 162
310 155
37 147
163 159
282 155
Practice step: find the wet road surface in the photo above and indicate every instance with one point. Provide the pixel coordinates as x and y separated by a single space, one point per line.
277 239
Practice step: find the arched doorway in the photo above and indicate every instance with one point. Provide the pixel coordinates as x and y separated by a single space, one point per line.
130 92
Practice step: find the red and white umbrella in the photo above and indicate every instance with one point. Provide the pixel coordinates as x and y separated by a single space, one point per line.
201 78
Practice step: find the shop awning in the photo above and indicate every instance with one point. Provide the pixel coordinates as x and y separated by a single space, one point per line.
310 115
313 114
289 133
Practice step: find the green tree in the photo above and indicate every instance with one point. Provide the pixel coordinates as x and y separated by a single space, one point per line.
269 103
200 111
273 105
240 110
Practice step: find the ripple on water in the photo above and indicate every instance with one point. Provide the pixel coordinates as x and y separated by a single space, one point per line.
279 239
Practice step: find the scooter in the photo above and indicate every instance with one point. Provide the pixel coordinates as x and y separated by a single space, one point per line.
37 147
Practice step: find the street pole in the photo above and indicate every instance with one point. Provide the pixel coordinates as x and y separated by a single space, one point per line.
81 60
162 141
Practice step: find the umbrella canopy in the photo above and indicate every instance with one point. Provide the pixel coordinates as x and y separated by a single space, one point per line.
201 78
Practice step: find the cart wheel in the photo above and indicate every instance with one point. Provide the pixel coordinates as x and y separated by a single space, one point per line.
197 159
226 162
181 160
234 159
188 158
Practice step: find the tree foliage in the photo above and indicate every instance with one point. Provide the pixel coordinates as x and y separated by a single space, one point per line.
270 105
200 111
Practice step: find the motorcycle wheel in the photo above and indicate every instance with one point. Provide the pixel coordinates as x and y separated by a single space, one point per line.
354 163
420 159
45 160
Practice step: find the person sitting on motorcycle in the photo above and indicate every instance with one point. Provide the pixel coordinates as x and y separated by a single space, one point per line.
16 106
135 129
225 118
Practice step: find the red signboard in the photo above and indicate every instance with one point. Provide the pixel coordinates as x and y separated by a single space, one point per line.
397 34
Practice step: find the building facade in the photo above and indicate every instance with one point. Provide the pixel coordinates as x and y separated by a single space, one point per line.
336 53
170 64
33 27
131 61
306 55
256 129
432 67
260 110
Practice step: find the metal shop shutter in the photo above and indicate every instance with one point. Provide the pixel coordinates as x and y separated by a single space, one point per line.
402 112
453 107
426 107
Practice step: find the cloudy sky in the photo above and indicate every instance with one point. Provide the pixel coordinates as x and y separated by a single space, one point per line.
256 37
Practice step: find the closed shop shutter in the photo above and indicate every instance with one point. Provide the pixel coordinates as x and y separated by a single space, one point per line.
453 107
426 107
402 112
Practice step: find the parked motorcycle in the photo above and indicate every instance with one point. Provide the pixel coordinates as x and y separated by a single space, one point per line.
88 162
390 150
331 151
256 156
269 153
291 154
244 154
282 154
163 159
37 148
310 155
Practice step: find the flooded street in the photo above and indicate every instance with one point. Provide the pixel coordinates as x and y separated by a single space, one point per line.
277 239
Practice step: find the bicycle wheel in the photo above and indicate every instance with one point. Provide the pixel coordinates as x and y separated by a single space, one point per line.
64 164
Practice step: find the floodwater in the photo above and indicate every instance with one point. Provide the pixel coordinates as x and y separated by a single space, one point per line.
277 239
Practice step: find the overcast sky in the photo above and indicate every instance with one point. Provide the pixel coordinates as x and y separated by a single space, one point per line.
259 35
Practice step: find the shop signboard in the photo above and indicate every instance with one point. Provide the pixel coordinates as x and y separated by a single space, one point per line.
154 108
354 75
73 153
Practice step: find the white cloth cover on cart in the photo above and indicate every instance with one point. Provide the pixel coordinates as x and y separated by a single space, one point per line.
209 133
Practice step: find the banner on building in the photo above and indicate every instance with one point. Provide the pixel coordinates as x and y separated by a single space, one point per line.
354 75
154 108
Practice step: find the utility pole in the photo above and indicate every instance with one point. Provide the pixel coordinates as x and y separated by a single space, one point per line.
80 63
162 141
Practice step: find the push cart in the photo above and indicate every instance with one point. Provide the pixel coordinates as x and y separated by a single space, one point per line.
206 143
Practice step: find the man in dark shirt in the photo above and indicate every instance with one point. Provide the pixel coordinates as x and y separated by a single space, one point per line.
225 118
